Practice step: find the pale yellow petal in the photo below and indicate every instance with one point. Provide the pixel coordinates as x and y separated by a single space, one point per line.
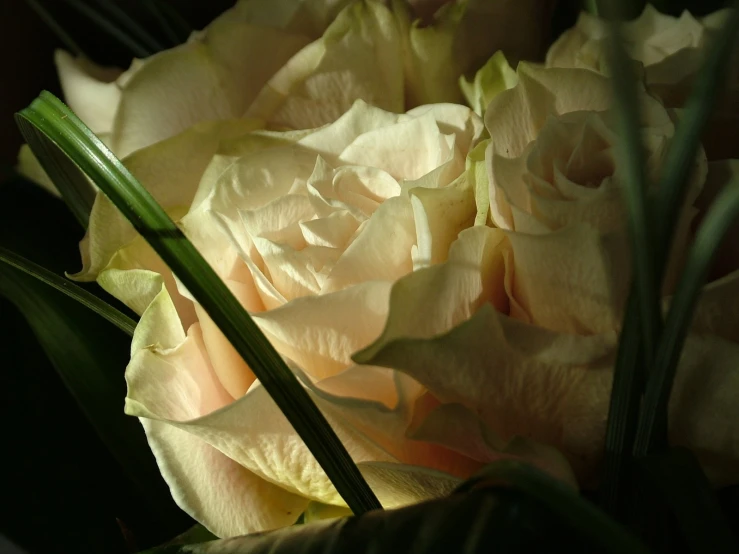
358 57
574 280
170 171
492 78
90 91
320 333
551 388
515 116
473 276
213 76
228 499
440 215
381 250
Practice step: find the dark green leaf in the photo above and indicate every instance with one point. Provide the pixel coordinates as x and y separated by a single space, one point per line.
653 421
642 320
678 478
48 119
77 342
510 507
90 301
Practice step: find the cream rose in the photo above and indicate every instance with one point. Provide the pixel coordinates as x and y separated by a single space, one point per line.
671 50
294 64
309 229
533 340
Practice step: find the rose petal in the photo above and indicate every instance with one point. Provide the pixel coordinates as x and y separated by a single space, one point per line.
228 499
440 215
170 171
357 57
90 91
209 78
492 78
381 250
473 276
319 333
574 280
458 428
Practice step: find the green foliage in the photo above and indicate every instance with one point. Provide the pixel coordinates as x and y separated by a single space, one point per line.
85 298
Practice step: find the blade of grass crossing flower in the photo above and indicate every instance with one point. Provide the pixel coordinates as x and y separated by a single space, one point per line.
561 500
55 27
642 321
47 118
652 427
87 299
686 490
630 150
653 422
127 22
681 154
136 48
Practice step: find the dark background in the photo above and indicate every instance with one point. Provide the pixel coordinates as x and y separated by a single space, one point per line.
60 490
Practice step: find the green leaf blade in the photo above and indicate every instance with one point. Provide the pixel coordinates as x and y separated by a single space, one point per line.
87 299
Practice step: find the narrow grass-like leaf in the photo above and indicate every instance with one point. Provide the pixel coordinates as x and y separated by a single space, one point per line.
134 45
684 146
49 119
87 299
722 215
623 412
652 426
642 320
691 498
577 512
55 27
630 156
90 357
129 24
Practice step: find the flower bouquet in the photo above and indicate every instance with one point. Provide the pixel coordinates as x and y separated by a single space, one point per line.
405 276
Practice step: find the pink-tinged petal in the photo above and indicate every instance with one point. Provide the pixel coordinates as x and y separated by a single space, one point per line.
319 333
547 387
458 428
